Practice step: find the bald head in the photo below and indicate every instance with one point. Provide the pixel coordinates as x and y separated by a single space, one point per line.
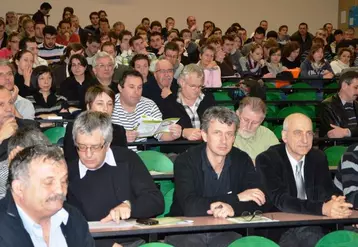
296 118
298 135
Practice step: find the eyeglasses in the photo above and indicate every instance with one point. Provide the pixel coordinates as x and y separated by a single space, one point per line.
250 216
92 148
195 86
4 75
164 71
105 66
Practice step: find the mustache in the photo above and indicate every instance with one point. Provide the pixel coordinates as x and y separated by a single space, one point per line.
57 197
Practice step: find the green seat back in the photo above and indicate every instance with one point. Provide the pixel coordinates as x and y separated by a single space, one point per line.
168 201
301 85
156 161
334 154
229 84
273 96
157 245
302 96
221 96
333 85
55 134
339 239
253 241
277 131
286 111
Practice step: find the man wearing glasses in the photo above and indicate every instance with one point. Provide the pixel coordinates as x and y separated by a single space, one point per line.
103 68
297 180
109 183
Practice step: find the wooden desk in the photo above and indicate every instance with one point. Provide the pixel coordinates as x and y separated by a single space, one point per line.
207 224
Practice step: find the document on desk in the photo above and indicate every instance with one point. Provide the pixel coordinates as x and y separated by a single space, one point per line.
111 224
149 126
256 219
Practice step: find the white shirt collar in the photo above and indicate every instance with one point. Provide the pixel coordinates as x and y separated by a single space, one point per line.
109 159
294 162
33 228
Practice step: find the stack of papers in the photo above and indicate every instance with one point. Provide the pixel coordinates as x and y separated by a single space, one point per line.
99 225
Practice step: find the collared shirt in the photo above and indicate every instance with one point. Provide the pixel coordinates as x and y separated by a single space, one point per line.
109 159
192 110
215 184
258 143
294 164
56 238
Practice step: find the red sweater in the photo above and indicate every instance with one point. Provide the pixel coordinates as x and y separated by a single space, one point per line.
75 38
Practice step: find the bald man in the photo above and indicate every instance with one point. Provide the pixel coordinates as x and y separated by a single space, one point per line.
162 85
297 180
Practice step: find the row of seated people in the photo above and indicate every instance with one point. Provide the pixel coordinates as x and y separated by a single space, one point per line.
213 178
162 88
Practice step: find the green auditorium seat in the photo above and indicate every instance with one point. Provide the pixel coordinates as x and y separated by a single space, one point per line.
334 154
284 112
157 245
339 239
277 131
55 134
253 241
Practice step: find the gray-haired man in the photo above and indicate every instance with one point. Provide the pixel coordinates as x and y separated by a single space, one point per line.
115 176
215 178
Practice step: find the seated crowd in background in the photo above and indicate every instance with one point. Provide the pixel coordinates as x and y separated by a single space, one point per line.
106 79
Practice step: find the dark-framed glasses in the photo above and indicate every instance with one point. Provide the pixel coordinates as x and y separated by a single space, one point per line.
250 216
92 148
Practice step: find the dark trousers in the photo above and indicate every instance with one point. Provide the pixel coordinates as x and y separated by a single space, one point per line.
306 236
212 239
125 242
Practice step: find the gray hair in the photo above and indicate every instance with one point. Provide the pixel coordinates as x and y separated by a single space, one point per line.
192 69
89 121
20 165
256 104
27 137
101 54
222 114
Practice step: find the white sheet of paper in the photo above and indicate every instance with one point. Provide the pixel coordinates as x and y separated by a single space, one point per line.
111 224
343 17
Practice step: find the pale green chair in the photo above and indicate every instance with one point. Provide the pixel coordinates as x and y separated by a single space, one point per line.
339 239
253 241
55 134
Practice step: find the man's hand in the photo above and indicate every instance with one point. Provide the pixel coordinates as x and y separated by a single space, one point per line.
220 55
175 130
338 132
337 207
8 129
255 195
121 212
131 135
221 210
161 50
166 92
67 36
329 75
193 28
192 134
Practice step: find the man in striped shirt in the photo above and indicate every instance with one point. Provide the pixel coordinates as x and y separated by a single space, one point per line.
339 112
49 49
130 106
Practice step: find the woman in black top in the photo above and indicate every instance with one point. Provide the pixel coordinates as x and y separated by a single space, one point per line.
74 87
97 98
46 102
23 62
290 55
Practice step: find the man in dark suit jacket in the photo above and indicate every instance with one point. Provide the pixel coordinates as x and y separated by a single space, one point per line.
215 179
339 113
109 184
23 211
297 180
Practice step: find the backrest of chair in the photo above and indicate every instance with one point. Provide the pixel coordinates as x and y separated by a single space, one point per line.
55 134
253 241
168 201
156 245
334 154
302 96
286 111
156 161
339 239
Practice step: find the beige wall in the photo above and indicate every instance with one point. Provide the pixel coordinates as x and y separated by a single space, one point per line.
222 12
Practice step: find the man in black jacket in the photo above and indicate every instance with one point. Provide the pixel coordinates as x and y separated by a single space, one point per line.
215 179
109 184
33 213
297 180
339 112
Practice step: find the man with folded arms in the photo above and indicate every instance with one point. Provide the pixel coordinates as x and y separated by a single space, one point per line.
33 213
109 183
215 179
297 180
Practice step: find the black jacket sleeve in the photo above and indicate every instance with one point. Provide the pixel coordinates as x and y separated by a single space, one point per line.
69 148
147 200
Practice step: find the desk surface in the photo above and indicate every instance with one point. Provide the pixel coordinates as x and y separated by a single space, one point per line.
211 224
